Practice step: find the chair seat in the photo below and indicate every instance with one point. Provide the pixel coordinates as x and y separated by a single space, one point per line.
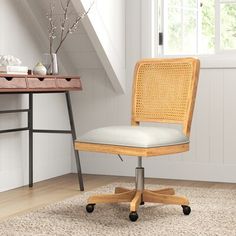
135 136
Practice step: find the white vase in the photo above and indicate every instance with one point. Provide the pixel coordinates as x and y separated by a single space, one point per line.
39 69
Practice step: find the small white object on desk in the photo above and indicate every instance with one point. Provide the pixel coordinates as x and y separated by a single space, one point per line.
9 60
12 65
22 70
39 69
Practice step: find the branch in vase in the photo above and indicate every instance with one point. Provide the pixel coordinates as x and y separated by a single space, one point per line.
52 26
65 17
73 27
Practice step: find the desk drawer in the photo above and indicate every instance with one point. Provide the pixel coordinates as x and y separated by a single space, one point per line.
11 82
68 83
41 83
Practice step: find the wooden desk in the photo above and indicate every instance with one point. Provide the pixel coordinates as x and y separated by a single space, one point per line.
30 84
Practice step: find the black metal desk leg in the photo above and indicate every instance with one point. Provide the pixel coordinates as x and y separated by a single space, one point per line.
72 125
30 127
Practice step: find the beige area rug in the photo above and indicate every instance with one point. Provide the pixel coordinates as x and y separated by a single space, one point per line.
213 213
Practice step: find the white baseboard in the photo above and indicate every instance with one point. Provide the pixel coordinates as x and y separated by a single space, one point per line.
11 179
16 178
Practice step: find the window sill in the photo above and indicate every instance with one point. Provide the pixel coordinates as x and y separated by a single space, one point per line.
217 61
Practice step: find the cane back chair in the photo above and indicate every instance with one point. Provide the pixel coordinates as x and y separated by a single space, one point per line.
164 91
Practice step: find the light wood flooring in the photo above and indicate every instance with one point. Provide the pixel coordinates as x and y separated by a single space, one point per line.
25 199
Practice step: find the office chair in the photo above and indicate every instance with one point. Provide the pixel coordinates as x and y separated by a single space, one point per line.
164 91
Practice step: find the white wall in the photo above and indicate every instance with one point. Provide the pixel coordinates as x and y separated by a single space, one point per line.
21 36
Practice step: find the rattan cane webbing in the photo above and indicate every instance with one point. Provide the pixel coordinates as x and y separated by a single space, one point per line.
162 91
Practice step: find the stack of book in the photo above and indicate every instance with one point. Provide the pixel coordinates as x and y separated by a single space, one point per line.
22 70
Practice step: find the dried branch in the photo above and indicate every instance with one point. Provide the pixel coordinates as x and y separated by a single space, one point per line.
62 6
73 27
65 18
63 33
52 26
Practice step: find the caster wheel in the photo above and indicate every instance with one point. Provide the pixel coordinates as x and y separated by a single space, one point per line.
90 208
186 209
133 216
141 203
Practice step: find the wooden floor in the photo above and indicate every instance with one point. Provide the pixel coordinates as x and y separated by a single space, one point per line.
25 199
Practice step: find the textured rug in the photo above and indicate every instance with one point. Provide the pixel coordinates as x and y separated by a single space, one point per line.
213 213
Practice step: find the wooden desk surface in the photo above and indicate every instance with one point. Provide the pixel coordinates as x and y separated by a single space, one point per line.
34 83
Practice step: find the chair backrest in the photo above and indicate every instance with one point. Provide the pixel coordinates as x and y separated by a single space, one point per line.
164 90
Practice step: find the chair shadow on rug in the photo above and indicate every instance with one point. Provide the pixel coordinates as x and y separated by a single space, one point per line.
164 91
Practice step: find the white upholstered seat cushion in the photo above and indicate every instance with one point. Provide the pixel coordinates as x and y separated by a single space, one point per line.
135 136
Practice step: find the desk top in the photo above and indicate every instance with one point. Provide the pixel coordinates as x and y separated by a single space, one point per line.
34 83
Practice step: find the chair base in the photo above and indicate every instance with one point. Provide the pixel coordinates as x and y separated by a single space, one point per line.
139 197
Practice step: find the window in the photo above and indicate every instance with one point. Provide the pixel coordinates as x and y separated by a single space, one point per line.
196 26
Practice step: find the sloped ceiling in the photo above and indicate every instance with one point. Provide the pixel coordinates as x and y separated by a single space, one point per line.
99 41
105 26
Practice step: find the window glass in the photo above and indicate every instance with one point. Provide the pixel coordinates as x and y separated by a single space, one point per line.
197 26
181 24
189 3
228 26
174 38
